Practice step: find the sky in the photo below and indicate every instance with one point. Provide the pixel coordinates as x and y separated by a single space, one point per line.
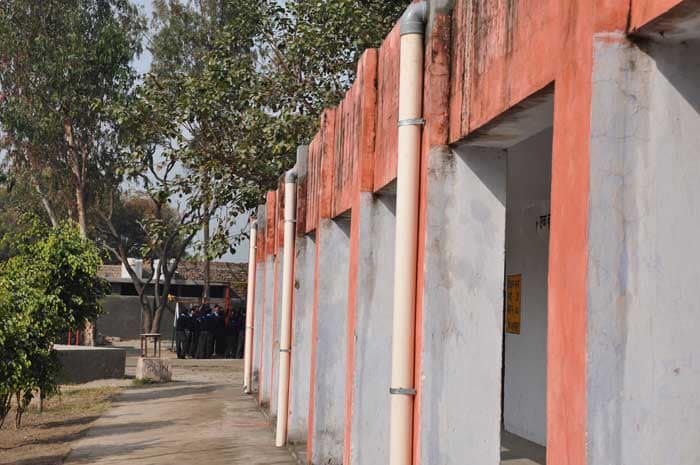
143 65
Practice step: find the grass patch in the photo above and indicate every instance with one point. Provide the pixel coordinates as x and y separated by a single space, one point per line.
143 382
45 438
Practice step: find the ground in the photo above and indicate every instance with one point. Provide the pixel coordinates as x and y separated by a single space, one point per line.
46 439
202 417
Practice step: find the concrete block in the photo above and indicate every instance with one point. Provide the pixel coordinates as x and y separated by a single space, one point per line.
80 364
155 369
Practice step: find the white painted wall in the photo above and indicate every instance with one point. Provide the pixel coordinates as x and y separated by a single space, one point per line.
304 267
331 348
260 274
460 381
643 273
375 297
525 358
275 352
266 326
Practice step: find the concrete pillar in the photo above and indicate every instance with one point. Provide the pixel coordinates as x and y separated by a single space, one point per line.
460 381
266 333
304 267
370 409
258 319
643 313
329 390
277 321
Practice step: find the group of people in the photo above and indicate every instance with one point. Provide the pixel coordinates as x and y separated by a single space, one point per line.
205 332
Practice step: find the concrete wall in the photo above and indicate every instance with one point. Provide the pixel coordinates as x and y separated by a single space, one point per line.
643 310
525 356
303 301
275 353
460 408
80 364
267 330
258 322
329 408
122 318
372 377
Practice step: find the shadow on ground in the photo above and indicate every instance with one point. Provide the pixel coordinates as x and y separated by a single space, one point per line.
165 391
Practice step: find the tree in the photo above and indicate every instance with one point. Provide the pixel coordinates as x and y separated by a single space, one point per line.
131 212
63 62
17 199
48 288
255 79
161 236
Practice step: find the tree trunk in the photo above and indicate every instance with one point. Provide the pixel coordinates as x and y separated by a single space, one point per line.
155 325
147 317
207 262
45 203
80 206
49 211
90 326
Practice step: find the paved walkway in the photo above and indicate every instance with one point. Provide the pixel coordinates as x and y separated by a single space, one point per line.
202 418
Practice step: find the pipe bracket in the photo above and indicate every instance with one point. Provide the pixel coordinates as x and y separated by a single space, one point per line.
290 221
286 350
402 391
412 122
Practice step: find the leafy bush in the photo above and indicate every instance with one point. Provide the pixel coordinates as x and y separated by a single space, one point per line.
51 286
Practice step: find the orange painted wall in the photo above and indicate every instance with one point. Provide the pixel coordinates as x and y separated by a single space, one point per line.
505 51
644 11
436 96
387 110
313 183
302 198
325 205
355 132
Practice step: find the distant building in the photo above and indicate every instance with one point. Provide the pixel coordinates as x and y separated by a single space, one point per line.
122 314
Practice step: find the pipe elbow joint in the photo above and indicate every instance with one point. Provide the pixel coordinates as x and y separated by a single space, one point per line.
254 224
291 176
414 18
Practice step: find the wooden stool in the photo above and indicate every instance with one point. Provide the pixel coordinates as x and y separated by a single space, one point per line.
156 344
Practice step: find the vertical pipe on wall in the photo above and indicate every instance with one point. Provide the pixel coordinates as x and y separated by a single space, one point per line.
250 305
407 190
286 328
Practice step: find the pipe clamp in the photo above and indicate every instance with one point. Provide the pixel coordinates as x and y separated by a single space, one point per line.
290 221
402 391
286 350
411 122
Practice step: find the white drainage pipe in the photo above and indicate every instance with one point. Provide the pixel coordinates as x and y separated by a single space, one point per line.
407 192
290 215
248 348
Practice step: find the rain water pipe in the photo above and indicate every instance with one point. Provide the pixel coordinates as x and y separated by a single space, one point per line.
410 124
250 305
290 219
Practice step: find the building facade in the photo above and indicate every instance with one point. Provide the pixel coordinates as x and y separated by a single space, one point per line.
552 309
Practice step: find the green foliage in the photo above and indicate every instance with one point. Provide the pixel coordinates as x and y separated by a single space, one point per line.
18 203
50 287
249 80
131 215
64 62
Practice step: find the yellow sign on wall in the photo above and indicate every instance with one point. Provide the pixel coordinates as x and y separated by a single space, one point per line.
513 292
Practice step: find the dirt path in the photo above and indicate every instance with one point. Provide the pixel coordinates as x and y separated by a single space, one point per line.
203 418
